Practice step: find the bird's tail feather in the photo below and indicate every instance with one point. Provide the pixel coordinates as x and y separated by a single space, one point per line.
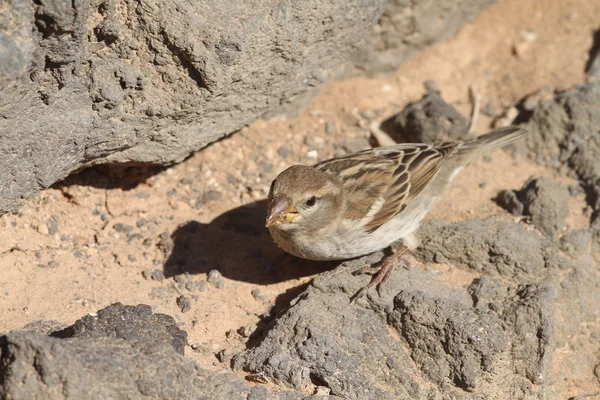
491 141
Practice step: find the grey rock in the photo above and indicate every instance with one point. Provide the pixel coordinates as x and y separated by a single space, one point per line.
184 303
493 247
52 225
407 27
488 293
531 317
283 151
137 325
563 135
509 200
215 277
17 46
36 366
450 341
330 128
44 327
428 337
136 85
546 201
443 343
576 242
153 83
428 120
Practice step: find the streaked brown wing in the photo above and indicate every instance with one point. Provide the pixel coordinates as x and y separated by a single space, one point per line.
381 182
366 178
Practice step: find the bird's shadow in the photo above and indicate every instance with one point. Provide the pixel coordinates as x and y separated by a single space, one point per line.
238 245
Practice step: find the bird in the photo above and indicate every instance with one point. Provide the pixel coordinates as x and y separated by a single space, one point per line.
357 204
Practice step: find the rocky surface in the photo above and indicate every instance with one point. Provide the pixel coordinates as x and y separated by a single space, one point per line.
134 324
564 136
427 336
427 120
101 82
123 352
406 27
545 201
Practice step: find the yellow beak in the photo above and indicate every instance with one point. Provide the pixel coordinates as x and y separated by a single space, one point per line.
280 211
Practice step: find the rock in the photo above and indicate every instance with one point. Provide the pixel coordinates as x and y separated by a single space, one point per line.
134 324
493 247
215 277
509 200
37 366
124 352
592 67
576 242
107 81
330 128
407 27
544 200
450 341
184 303
427 120
427 336
530 314
563 136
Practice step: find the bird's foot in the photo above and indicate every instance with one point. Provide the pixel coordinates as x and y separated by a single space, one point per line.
381 273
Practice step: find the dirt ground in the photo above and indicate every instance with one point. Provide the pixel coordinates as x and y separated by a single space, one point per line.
106 236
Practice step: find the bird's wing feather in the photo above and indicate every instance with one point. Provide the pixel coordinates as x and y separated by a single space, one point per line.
381 182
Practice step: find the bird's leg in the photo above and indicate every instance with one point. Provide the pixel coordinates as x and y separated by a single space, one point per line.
383 272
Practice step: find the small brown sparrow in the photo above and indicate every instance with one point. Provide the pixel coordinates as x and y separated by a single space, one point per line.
356 204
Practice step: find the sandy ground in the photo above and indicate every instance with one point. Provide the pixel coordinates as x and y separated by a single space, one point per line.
106 235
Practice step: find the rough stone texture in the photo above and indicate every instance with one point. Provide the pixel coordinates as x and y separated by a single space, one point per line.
134 324
36 366
408 26
104 81
98 81
546 201
427 120
124 352
563 135
426 337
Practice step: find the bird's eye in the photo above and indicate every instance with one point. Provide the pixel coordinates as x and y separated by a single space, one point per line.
311 201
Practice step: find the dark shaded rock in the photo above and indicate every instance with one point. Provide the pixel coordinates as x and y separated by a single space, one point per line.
36 366
546 201
427 120
134 324
509 200
592 66
406 27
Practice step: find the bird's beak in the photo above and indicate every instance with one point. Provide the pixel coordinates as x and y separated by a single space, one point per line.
280 211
